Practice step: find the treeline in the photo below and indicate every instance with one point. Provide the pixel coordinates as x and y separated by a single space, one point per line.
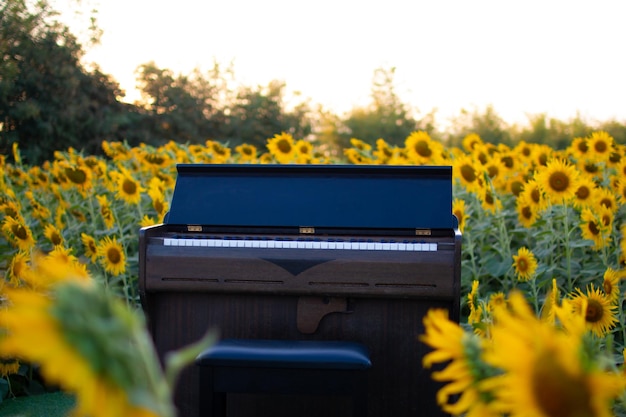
50 101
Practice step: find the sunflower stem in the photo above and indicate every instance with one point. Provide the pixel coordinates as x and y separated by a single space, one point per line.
568 249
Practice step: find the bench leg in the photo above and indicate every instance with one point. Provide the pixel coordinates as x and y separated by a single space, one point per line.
210 403
359 394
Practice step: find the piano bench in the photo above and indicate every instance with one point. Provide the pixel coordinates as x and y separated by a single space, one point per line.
282 367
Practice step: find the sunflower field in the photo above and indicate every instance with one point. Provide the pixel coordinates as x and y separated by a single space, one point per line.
544 249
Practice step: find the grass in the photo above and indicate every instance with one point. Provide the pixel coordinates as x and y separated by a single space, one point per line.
55 404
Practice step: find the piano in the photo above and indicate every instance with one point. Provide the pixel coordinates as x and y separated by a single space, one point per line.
306 252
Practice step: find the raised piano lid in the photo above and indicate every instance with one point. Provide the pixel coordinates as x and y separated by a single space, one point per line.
318 196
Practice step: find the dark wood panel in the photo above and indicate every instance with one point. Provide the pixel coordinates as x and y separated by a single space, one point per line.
398 385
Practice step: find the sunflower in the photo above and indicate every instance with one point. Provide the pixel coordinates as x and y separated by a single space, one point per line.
78 176
525 264
585 192
38 210
551 303
476 311
468 173
527 213
422 150
304 151
579 148
471 141
91 247
18 233
18 267
489 200
600 313
383 152
53 234
464 369
541 155
356 157
458 210
558 180
219 153
600 146
610 284
606 198
246 153
282 148
112 256
105 211
360 145
620 190
117 151
544 373
72 349
128 188
496 171
592 228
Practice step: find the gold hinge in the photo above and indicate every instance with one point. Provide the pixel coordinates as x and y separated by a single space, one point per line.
307 230
194 228
422 232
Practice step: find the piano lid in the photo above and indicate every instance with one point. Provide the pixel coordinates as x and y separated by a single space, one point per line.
324 196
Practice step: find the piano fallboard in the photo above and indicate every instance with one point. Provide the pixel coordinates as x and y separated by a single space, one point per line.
338 266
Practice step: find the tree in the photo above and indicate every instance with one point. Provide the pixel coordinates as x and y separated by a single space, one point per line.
259 113
488 125
47 99
385 117
182 108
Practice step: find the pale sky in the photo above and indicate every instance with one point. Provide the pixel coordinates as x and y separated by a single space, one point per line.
522 57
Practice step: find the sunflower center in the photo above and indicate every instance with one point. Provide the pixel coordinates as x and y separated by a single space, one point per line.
591 168
559 181
522 265
508 162
114 256
284 146
607 286
517 187
593 228
492 171
535 195
129 187
594 312
422 149
56 239
600 146
468 173
583 192
76 175
527 213
557 393
19 231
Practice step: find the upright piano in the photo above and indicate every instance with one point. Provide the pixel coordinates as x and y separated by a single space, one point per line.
306 252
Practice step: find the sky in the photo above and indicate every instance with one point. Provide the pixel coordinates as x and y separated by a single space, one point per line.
561 58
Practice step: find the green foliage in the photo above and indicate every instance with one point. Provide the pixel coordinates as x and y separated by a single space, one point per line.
47 99
385 117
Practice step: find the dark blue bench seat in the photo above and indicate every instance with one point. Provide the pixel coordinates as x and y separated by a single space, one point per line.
282 367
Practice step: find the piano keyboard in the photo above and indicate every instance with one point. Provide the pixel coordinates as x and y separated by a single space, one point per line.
330 244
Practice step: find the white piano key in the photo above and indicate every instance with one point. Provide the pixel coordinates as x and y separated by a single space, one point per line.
301 244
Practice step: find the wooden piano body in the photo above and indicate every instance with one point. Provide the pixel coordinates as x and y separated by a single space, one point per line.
306 253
